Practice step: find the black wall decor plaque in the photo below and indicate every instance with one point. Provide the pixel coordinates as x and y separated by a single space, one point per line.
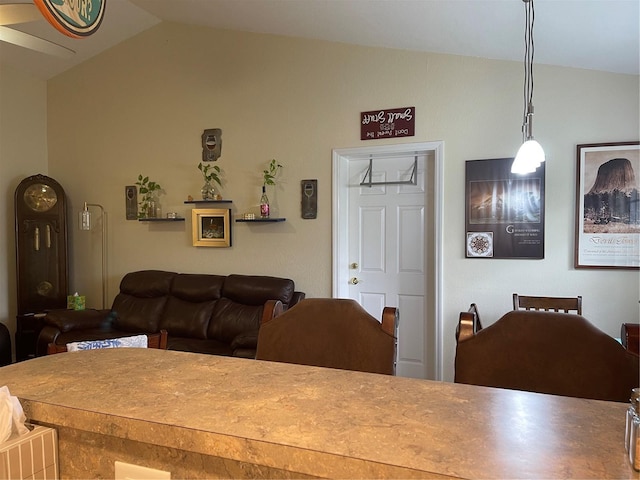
393 123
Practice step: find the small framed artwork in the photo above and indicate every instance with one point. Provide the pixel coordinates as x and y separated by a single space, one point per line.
211 227
608 206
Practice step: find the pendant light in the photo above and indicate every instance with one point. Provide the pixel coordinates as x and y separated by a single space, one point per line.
530 155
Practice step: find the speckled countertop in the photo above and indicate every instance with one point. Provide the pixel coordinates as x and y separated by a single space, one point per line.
323 422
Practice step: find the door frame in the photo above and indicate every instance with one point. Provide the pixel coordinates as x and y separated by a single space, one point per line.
340 234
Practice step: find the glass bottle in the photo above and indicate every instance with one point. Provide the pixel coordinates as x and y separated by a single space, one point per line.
631 411
264 204
634 441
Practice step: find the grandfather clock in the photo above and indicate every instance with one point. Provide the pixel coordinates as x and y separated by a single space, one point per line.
41 255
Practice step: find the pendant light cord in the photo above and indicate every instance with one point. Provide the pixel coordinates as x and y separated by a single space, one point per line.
528 66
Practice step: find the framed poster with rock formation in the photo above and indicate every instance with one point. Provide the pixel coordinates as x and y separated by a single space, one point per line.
608 206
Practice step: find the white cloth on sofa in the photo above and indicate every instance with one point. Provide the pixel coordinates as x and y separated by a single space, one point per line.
136 341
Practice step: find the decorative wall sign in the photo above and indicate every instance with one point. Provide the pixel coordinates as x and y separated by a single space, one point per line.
211 144
211 227
309 198
397 122
504 211
74 18
608 206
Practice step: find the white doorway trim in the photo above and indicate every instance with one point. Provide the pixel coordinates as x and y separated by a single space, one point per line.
340 200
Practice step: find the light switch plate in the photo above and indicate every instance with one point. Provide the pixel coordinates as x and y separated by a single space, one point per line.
127 471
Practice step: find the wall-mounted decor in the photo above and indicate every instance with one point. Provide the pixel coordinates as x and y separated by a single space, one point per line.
211 227
608 206
211 144
396 122
309 198
504 211
131 202
75 19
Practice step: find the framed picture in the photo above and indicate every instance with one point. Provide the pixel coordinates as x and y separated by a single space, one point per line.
211 227
607 206
504 211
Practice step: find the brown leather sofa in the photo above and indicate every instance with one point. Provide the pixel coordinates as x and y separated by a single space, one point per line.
202 313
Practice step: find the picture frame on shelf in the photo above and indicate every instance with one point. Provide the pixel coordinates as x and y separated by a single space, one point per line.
211 227
607 219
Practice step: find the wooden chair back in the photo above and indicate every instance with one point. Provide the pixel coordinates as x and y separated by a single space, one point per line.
154 340
547 352
331 332
548 304
630 337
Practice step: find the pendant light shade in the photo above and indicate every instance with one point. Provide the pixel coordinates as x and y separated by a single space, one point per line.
530 155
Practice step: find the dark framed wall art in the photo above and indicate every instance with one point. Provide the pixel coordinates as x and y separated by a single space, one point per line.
607 206
504 211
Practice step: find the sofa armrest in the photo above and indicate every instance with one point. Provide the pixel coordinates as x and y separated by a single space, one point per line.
60 321
297 297
67 320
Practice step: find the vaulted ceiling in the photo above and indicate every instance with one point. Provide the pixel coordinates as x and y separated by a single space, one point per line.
592 34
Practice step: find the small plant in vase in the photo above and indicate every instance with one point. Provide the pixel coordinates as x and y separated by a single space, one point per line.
148 206
268 178
210 173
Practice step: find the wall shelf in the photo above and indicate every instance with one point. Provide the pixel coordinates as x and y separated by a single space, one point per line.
208 201
179 219
261 220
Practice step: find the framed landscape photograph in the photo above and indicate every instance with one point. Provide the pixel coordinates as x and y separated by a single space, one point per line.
211 227
607 206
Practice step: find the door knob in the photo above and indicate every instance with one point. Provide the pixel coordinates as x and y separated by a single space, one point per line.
353 266
354 281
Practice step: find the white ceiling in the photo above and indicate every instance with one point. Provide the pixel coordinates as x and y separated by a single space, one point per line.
592 34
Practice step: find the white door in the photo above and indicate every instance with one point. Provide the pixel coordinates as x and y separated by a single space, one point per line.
385 235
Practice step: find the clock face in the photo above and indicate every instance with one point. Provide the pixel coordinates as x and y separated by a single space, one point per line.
40 197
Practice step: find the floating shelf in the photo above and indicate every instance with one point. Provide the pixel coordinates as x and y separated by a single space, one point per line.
261 220
179 219
208 201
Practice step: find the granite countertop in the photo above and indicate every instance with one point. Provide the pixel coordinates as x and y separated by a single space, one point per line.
323 422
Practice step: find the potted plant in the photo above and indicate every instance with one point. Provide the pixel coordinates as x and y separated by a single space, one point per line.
269 174
148 204
210 173
268 178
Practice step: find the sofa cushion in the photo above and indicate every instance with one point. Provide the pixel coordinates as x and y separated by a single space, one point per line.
195 345
142 298
256 290
231 319
191 304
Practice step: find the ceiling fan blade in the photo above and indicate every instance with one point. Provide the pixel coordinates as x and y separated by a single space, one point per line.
34 43
12 13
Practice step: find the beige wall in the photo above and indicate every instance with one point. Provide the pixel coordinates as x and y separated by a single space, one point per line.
142 106
23 152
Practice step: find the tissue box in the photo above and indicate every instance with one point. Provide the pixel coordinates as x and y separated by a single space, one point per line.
76 302
29 456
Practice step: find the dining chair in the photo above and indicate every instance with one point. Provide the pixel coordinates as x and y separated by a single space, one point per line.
154 340
331 332
548 304
546 352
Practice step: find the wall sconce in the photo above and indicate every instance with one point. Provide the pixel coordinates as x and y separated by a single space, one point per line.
530 155
85 225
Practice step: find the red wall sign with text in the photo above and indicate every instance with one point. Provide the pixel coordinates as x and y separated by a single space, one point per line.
397 122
